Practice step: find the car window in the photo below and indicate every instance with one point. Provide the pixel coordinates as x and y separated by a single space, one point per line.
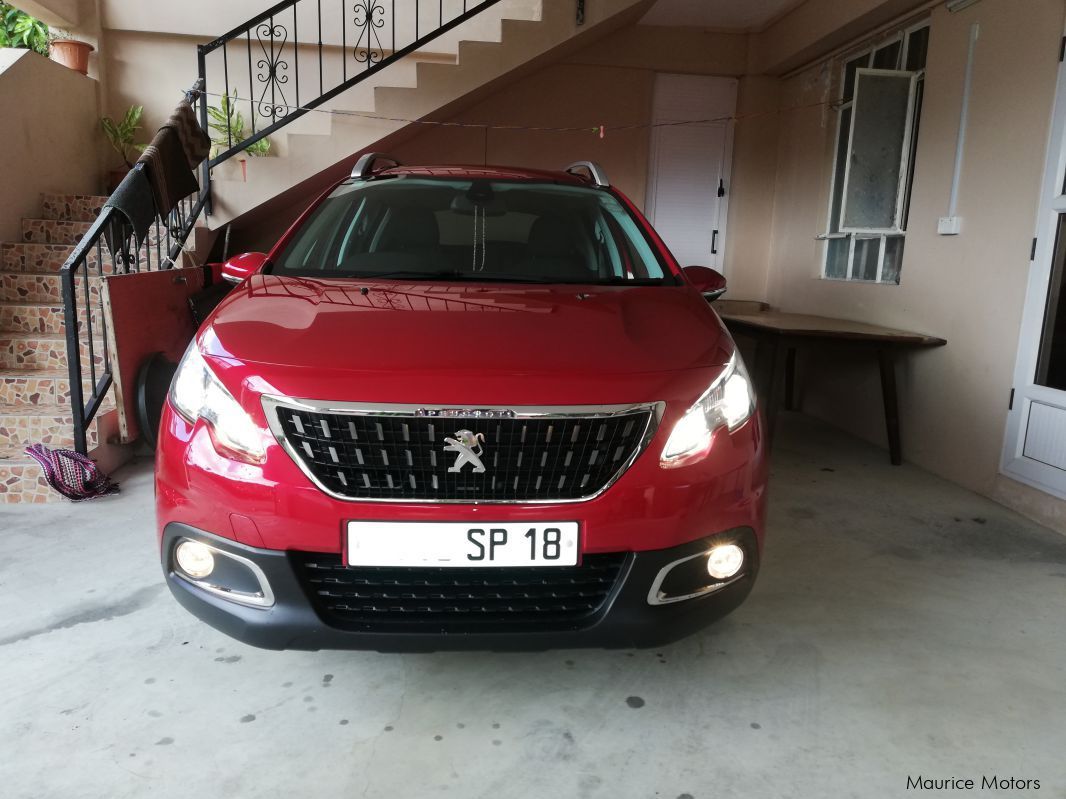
408 227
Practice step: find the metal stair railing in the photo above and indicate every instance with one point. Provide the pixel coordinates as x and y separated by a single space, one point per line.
352 40
257 65
110 248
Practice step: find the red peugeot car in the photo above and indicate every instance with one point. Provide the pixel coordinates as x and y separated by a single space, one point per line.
462 407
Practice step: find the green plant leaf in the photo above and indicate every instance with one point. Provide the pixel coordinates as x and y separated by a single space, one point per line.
18 29
120 134
225 126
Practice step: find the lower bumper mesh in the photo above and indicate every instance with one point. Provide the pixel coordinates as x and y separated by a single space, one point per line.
445 598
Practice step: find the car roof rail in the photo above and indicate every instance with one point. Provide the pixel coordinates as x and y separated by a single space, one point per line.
368 164
595 173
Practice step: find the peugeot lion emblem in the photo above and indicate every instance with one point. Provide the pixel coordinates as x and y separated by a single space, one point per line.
467 446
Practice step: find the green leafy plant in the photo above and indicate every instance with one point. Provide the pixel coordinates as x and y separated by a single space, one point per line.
226 127
120 134
19 29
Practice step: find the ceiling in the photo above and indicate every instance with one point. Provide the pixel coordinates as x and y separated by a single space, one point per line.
718 14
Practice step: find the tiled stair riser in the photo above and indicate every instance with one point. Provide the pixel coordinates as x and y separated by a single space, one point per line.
68 234
46 289
53 231
47 319
34 391
21 479
71 207
23 483
43 354
43 258
18 430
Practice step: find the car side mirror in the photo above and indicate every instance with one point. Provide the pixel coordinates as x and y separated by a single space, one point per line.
708 282
240 267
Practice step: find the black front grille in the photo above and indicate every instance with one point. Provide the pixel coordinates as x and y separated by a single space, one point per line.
383 598
409 457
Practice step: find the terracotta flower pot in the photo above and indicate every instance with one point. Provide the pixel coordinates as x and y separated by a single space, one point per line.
71 53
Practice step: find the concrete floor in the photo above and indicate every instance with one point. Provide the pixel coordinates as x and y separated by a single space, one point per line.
901 626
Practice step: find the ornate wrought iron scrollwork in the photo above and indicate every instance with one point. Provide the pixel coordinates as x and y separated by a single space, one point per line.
369 19
273 70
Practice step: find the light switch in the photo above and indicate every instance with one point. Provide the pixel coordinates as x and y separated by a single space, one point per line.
949 225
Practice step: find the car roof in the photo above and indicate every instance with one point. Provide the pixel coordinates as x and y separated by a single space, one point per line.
461 172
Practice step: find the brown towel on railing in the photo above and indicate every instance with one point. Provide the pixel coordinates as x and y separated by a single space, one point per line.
134 200
168 170
194 142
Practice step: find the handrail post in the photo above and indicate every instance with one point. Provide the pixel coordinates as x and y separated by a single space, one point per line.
72 329
205 169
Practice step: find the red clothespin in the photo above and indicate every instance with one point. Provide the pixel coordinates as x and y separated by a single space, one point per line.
602 131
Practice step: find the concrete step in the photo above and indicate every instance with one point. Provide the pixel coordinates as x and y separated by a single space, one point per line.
72 207
42 352
53 231
31 287
31 317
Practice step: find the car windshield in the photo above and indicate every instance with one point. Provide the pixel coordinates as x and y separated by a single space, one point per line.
417 228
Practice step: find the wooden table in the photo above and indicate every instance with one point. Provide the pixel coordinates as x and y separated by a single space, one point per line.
775 333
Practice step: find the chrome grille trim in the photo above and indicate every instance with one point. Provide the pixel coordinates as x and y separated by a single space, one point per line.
271 404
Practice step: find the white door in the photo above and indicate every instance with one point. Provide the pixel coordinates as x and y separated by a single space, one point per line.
688 186
1035 445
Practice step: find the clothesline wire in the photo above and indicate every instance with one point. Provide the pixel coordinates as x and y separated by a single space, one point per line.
601 130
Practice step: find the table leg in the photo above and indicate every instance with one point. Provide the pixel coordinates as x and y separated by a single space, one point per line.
887 363
790 379
767 355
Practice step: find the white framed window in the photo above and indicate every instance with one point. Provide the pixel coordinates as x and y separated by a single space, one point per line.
879 114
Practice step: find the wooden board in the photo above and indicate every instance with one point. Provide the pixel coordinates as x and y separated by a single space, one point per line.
802 325
146 312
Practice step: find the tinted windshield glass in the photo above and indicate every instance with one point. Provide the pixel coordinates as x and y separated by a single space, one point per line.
420 228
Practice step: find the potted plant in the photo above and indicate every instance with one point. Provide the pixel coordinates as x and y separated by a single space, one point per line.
65 50
120 134
226 127
19 29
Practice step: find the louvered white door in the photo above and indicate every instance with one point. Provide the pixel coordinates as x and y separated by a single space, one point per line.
688 186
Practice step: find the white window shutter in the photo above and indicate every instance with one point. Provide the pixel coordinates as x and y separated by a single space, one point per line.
878 151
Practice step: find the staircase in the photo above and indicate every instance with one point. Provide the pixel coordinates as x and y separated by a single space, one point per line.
472 58
34 381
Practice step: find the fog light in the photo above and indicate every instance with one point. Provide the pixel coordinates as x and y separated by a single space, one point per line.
725 561
195 559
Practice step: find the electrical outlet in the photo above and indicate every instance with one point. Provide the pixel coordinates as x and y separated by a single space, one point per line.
949 225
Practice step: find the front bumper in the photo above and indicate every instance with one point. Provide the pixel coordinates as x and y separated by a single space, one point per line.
626 618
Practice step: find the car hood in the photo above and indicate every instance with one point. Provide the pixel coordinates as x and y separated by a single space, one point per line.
394 326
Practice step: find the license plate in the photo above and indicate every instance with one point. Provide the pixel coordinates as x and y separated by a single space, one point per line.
462 544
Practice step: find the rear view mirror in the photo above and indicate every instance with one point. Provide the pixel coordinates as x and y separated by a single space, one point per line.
239 267
708 282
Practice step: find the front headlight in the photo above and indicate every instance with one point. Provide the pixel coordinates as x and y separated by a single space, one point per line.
729 402
197 394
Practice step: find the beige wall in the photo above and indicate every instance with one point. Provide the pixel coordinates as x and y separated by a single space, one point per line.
582 96
751 196
968 288
43 142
